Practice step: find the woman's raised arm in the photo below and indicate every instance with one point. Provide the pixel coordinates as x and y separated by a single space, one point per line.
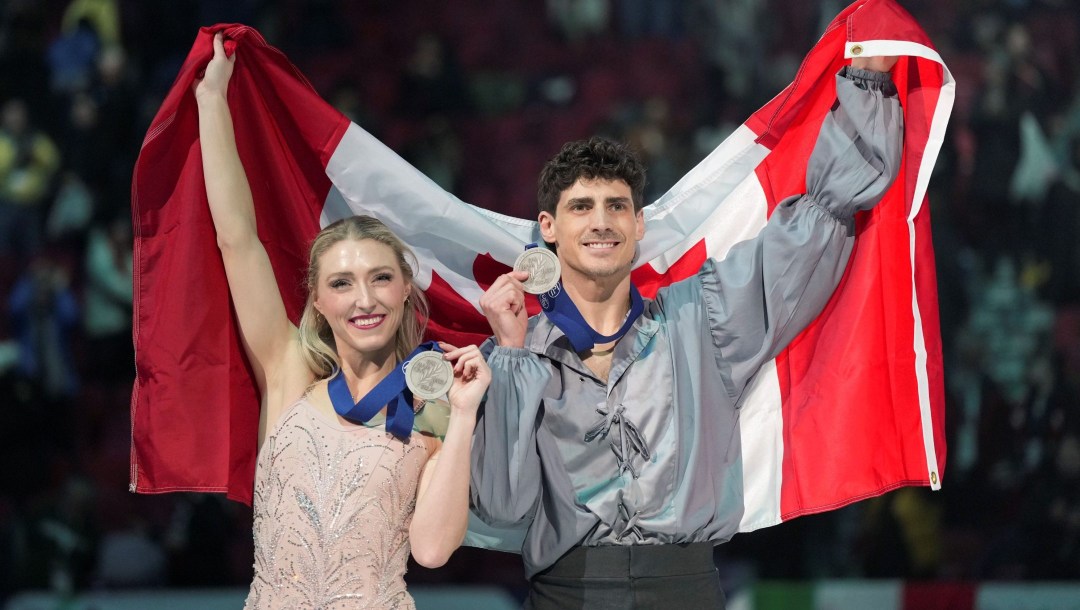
264 326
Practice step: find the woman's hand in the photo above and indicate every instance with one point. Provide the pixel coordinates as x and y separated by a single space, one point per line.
215 79
471 376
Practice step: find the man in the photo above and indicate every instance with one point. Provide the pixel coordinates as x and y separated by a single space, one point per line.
615 437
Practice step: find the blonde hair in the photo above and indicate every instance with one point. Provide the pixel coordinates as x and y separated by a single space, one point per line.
316 338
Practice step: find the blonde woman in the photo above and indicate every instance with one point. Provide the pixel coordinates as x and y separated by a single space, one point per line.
339 501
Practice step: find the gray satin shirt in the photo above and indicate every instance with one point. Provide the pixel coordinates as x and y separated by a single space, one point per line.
653 456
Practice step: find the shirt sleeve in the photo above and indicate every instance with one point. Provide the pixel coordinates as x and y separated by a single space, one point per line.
505 464
767 289
858 151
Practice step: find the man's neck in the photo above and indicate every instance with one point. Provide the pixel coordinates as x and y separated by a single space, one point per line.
603 302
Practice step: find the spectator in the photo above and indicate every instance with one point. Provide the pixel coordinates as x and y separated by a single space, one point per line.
433 82
637 18
101 16
107 297
82 142
71 59
44 312
130 558
578 19
62 538
28 162
116 101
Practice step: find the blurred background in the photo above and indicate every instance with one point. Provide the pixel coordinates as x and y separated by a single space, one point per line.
478 95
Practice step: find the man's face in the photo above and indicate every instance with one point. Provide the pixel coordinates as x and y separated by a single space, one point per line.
595 229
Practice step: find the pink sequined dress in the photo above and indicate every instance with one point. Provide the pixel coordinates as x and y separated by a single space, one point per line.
333 502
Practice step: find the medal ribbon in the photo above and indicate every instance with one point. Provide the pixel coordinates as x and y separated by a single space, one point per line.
563 313
391 392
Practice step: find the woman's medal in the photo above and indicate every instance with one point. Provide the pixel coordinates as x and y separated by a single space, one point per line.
428 375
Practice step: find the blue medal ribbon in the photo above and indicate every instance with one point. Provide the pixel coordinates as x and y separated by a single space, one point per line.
563 313
392 393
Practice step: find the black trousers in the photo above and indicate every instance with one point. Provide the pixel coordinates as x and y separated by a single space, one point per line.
642 577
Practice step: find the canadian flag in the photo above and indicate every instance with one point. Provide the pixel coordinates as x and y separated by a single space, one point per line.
851 409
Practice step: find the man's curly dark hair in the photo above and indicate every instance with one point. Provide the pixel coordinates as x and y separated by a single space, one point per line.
594 158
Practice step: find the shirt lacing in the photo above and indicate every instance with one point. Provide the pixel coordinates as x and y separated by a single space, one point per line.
628 442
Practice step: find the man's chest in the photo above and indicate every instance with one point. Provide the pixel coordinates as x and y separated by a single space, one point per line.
614 435
620 400
599 364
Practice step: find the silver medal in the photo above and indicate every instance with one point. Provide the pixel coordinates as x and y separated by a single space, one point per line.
543 267
428 375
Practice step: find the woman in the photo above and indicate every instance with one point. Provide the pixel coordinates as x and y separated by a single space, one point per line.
337 502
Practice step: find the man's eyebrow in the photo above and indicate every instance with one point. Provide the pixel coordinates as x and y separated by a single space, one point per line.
585 199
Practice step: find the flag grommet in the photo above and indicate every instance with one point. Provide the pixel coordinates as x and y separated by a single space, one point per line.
856 49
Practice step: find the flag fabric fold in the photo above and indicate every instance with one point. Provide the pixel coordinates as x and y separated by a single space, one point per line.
851 409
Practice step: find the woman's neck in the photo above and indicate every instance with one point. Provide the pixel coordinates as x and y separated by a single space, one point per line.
364 371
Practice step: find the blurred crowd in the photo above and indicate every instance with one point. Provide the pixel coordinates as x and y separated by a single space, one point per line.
477 95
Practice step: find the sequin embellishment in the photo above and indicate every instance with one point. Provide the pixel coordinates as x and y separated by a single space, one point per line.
332 513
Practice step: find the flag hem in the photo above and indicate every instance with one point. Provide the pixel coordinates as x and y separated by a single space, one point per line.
936 137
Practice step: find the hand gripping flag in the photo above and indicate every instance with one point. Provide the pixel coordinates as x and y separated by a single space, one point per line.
851 409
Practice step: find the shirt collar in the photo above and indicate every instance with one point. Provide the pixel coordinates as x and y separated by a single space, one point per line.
548 340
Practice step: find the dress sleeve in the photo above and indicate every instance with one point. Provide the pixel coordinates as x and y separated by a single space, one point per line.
505 463
767 289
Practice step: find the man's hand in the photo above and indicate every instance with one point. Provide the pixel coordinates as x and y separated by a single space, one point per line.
880 63
504 306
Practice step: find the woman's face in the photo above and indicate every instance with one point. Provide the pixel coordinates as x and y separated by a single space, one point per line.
361 292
